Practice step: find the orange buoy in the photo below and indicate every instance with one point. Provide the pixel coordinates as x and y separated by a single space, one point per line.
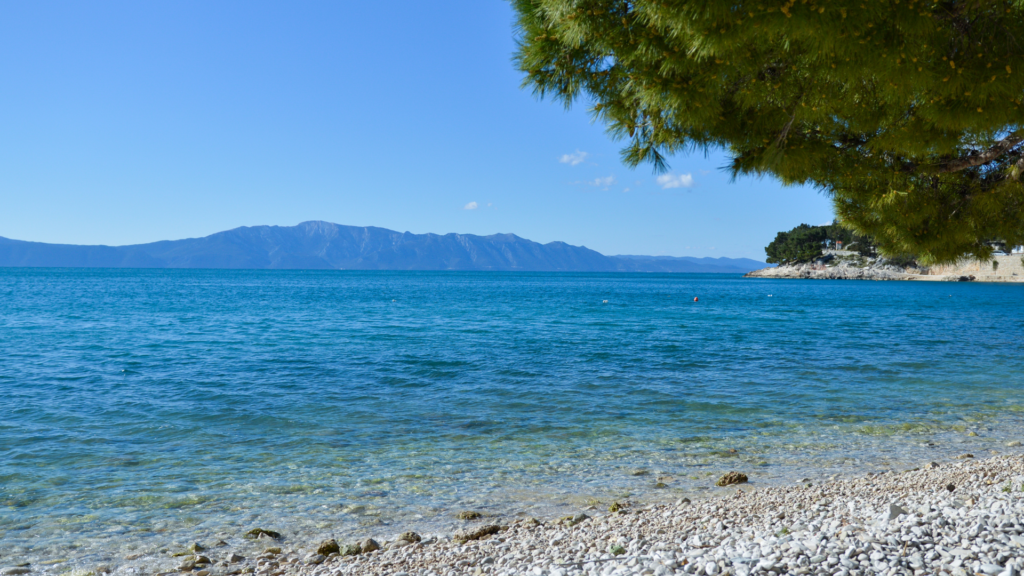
694 298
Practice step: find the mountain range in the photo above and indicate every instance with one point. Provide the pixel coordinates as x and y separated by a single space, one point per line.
323 245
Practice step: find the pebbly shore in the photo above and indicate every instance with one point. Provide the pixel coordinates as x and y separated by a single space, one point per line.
957 518
963 517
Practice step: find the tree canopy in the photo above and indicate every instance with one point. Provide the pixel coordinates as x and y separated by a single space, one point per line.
806 243
907 113
801 244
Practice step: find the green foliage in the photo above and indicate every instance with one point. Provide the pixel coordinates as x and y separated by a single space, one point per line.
902 260
908 114
801 244
805 243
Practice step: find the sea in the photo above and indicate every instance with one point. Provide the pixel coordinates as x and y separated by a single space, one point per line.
144 410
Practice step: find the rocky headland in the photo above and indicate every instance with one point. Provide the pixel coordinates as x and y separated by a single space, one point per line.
844 265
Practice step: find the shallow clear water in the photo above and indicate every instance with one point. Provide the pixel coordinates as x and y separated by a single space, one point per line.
141 409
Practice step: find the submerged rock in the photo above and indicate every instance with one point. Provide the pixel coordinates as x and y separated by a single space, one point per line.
410 537
328 547
732 478
469 515
272 550
233 558
256 533
467 535
574 520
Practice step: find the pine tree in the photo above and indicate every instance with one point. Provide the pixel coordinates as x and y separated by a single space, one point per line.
908 114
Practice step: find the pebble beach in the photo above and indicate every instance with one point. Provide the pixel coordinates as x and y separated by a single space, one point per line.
956 518
962 517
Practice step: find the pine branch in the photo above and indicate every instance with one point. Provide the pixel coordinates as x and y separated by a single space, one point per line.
977 159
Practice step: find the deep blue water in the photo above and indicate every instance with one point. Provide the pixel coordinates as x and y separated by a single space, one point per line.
141 409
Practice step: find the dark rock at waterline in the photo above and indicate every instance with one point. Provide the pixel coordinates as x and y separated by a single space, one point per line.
261 533
469 515
574 520
350 550
467 535
732 478
410 537
328 547
369 545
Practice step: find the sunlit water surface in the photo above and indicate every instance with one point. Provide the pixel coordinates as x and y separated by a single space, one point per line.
141 410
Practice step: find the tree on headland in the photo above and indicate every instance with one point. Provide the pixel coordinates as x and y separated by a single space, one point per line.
801 244
909 115
806 243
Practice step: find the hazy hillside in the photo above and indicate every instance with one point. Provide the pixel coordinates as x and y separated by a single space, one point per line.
322 245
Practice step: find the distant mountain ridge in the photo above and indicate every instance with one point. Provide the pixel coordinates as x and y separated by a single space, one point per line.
323 245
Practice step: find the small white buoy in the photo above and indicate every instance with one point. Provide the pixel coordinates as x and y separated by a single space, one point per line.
604 301
392 300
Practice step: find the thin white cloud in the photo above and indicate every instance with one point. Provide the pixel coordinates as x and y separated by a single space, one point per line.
470 206
573 159
667 181
602 182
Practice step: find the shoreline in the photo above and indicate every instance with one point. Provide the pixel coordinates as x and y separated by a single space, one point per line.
848 266
743 529
957 518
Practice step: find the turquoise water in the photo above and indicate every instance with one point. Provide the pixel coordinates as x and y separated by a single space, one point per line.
145 409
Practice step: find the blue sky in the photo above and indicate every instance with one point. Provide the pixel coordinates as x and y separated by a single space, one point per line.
130 122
